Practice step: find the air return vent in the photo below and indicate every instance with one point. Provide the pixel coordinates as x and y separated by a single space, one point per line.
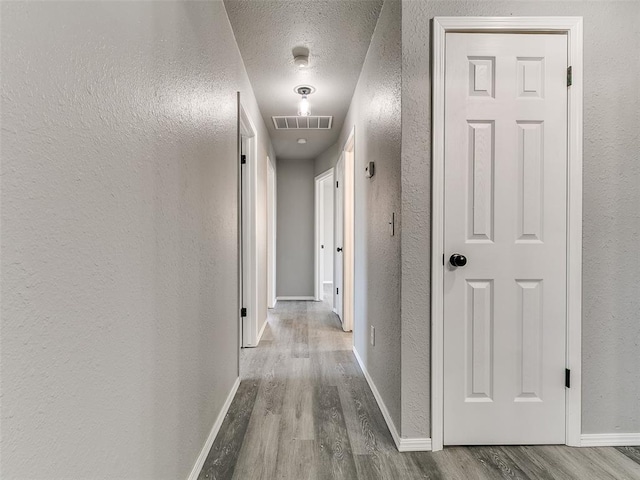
302 123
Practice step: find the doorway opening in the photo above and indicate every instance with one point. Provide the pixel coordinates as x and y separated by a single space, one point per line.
324 225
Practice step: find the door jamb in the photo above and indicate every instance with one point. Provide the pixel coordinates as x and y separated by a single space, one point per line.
318 233
572 27
271 233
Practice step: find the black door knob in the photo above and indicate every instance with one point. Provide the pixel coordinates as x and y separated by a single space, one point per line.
339 249
458 260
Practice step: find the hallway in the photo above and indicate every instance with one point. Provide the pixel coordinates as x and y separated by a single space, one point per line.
304 411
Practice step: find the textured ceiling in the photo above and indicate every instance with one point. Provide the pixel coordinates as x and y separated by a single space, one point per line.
337 34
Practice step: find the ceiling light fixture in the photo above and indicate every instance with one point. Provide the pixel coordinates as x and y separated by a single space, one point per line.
302 61
300 57
303 107
302 141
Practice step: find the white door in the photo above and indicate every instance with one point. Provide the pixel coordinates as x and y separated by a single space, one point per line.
338 271
505 211
244 219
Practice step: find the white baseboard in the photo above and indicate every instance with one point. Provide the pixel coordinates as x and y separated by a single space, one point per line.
195 472
297 299
402 444
610 440
264 325
414 445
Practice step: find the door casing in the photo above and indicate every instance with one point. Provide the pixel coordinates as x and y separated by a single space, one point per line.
572 27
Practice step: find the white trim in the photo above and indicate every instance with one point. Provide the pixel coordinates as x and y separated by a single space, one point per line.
402 444
610 440
414 445
572 26
264 325
327 282
197 467
272 195
299 298
318 266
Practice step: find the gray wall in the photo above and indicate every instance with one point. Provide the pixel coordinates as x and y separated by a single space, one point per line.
611 285
375 113
295 228
327 159
119 239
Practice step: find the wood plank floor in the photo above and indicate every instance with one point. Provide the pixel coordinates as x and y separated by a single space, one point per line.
304 411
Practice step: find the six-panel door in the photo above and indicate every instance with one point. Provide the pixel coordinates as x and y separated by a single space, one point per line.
505 210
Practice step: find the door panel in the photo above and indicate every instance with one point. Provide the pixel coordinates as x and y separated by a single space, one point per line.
244 214
338 271
505 210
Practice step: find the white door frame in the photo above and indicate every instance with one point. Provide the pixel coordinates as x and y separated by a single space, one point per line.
319 233
348 284
572 27
271 234
249 251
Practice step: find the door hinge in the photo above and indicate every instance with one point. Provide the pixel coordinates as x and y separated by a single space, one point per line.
336 184
243 159
337 291
243 312
567 378
443 259
569 77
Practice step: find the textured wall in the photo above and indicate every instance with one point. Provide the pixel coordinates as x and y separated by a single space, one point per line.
327 159
119 239
375 113
611 286
295 228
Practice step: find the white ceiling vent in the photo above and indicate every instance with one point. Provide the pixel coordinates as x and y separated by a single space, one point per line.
312 122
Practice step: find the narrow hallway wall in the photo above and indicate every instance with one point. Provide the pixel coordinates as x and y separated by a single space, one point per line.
295 228
375 114
119 235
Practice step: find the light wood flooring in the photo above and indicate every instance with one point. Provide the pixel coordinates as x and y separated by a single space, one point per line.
304 411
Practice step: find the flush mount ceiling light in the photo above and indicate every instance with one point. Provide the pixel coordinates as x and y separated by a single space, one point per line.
303 106
301 61
301 57
302 141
